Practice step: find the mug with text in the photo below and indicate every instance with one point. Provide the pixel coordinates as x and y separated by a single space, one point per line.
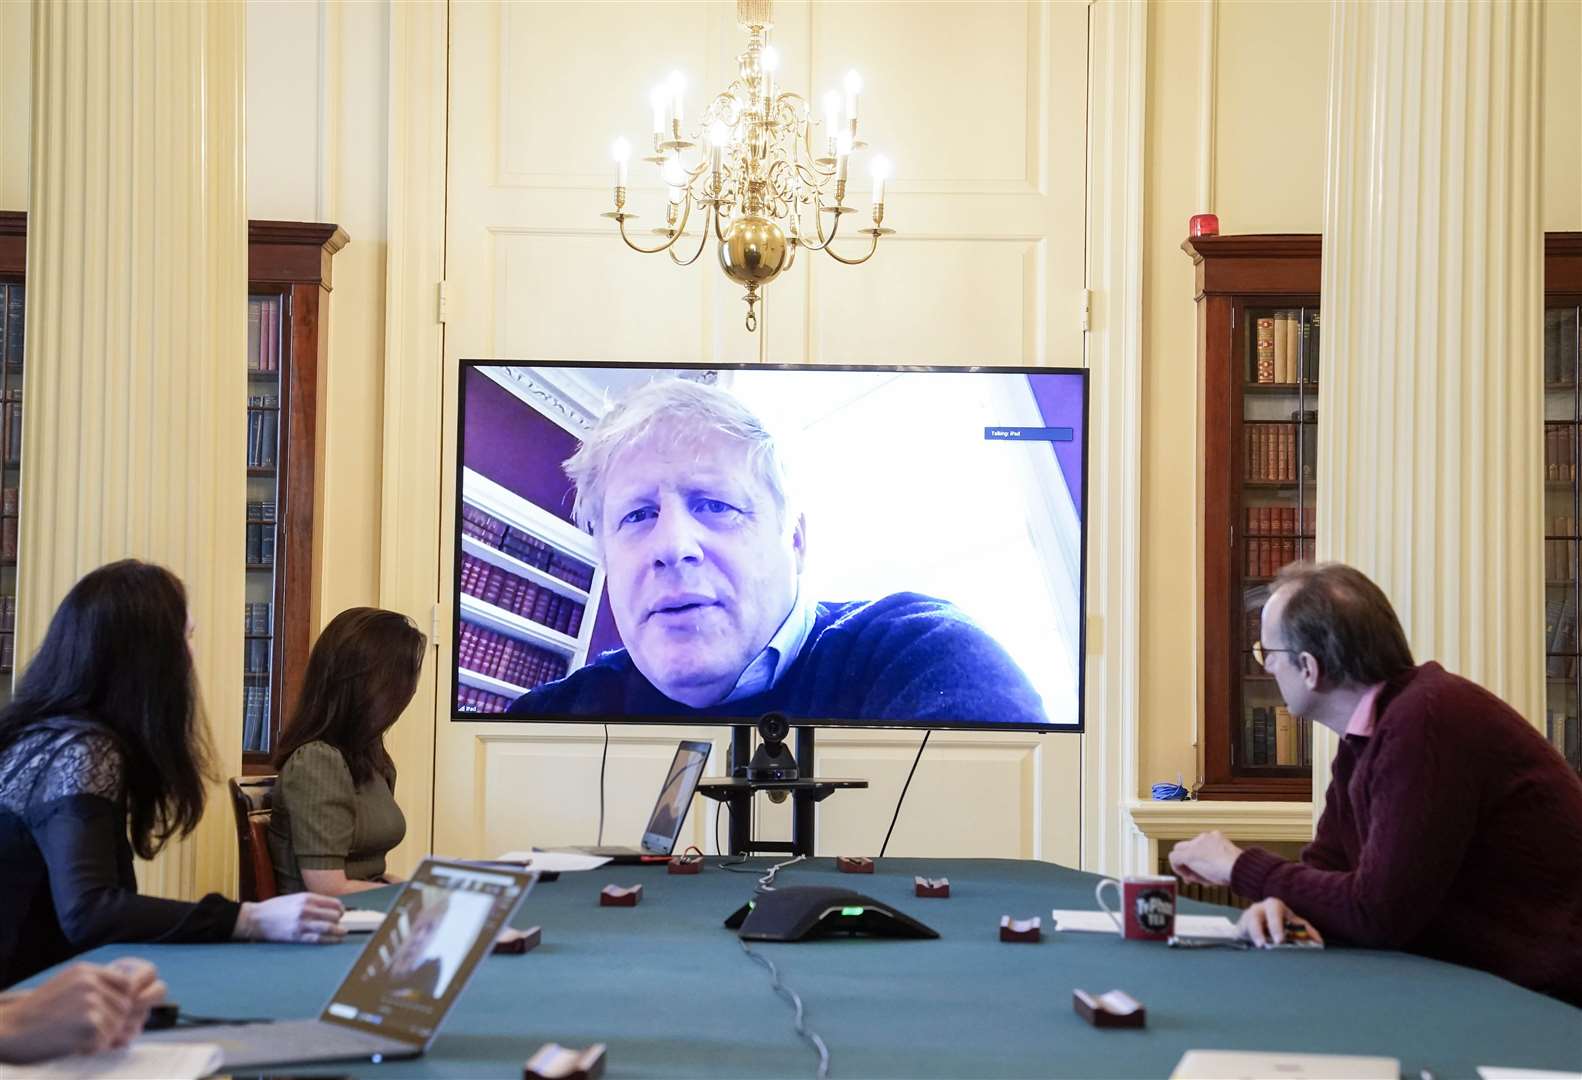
1147 905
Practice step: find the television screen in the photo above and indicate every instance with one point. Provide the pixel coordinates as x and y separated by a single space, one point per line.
876 547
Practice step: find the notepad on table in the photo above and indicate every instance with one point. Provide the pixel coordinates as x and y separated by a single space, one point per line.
1097 922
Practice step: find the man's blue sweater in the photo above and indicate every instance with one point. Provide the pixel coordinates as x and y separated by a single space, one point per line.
900 659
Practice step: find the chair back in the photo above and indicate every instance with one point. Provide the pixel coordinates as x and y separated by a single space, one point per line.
253 799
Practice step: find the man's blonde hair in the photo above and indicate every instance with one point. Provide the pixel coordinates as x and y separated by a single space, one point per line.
669 412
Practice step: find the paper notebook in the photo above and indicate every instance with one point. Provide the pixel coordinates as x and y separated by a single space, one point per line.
1097 922
141 1060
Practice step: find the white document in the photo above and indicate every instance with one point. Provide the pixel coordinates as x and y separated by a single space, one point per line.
1098 922
554 862
140 1061
1257 1065
361 922
1501 1072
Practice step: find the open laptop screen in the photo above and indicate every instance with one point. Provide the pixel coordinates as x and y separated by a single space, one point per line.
414 966
675 797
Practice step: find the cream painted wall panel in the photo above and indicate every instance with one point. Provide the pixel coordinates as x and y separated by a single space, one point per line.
1561 116
1269 104
917 310
641 309
284 88
1171 477
950 94
543 137
354 180
16 101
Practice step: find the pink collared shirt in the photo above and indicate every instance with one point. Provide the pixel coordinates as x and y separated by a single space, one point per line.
1362 717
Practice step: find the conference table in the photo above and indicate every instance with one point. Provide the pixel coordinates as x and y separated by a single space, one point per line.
671 993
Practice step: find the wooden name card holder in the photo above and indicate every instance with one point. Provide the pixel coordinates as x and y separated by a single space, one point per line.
1028 931
936 887
555 1062
516 942
1116 1009
854 864
615 896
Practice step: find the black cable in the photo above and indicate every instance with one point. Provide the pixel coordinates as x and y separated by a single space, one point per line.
902 799
603 758
791 996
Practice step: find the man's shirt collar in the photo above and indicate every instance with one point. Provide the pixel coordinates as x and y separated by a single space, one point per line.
770 665
1362 717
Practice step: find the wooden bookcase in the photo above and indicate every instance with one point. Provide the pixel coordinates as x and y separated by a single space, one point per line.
1562 491
13 263
528 589
289 279
1239 280
1260 485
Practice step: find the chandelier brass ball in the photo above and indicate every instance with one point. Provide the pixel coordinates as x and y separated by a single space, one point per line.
754 251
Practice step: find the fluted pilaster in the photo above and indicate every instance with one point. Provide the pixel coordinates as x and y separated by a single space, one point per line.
1430 424
135 383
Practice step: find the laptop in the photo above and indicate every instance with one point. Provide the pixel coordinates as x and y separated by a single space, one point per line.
670 809
396 995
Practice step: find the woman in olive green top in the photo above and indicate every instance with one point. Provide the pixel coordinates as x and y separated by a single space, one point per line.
335 815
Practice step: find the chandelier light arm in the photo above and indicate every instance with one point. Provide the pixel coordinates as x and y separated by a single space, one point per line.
703 238
666 246
872 247
818 222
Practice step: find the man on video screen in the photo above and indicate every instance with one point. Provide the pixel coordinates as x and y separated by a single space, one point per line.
685 495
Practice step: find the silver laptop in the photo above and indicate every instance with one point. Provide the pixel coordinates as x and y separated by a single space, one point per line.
670 809
395 997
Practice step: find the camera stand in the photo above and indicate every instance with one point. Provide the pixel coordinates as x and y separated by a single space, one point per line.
737 791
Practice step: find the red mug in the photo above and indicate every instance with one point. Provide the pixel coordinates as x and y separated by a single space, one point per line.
1148 906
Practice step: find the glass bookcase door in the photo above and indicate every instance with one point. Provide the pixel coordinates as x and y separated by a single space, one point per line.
1562 510
12 306
1279 484
266 335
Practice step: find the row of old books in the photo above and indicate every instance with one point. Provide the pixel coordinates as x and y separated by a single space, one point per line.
1280 520
7 632
1560 554
1285 347
1270 735
8 524
1560 459
261 532
263 335
507 658
1565 735
256 700
11 426
519 596
1281 451
524 546
1560 346
260 619
1560 635
12 306
1266 555
263 430
469 699
256 655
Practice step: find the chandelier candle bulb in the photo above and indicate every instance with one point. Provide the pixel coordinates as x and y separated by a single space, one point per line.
660 100
621 151
853 90
678 88
881 170
832 120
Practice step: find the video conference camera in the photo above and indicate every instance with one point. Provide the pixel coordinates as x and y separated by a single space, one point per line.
772 760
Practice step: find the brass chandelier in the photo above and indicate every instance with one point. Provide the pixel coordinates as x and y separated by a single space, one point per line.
762 172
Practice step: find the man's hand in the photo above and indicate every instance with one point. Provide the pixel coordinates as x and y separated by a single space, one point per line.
304 916
83 1010
1206 859
1270 922
146 990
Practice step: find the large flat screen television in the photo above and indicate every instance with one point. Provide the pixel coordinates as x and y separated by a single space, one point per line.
872 547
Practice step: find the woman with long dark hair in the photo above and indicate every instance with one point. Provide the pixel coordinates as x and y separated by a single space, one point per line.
103 753
335 816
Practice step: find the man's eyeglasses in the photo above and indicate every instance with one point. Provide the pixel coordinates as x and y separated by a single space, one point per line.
1261 654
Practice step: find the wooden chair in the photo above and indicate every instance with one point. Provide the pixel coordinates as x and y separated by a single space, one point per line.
253 799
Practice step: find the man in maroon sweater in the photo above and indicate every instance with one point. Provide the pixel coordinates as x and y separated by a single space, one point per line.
1451 828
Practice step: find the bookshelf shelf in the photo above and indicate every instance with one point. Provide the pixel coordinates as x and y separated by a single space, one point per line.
513 625
471 545
1562 368
489 684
